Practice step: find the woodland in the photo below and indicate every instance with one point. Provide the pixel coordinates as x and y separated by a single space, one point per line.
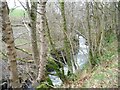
56 44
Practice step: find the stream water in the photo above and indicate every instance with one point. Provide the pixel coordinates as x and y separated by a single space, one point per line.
80 58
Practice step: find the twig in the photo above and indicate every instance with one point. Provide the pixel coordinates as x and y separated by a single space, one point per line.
27 27
48 84
22 44
23 51
17 25
57 60
3 53
63 57
21 35
22 5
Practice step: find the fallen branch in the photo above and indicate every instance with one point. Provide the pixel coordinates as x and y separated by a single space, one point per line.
23 51
23 60
3 54
17 25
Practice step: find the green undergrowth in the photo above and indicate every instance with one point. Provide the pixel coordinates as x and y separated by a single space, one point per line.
105 75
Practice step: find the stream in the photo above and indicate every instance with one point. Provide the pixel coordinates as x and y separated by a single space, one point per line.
80 58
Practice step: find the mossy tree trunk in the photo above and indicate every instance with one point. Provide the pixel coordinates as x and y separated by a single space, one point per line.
118 30
67 47
99 20
32 13
89 35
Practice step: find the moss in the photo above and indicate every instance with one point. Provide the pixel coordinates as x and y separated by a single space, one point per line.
42 86
47 84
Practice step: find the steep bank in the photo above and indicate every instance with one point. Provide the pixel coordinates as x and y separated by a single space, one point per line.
105 75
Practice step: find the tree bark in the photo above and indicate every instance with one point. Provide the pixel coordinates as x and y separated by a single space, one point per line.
118 34
32 13
89 36
118 28
43 44
7 36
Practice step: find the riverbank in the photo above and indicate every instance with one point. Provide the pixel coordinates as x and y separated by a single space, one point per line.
105 75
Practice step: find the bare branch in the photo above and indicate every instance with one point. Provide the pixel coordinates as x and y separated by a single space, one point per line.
22 5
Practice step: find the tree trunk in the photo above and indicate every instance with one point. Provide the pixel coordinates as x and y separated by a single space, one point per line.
89 35
100 29
32 13
67 47
118 30
33 16
9 42
43 45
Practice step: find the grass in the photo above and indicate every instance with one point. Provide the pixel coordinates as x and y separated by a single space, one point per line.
17 13
103 77
106 74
